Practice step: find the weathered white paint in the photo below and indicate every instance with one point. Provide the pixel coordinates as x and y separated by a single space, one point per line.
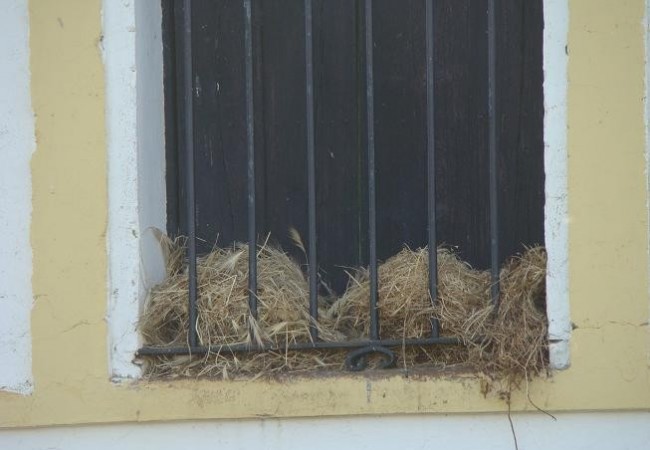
556 226
150 114
574 431
646 27
133 59
17 144
136 164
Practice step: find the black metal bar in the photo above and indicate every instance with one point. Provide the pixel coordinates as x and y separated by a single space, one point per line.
372 216
493 147
188 117
311 171
357 360
173 95
250 145
243 348
431 167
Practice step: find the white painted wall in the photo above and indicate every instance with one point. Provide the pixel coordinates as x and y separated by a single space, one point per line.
556 212
17 144
646 27
132 50
575 431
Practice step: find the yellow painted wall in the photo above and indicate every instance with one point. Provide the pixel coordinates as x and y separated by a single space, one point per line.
608 251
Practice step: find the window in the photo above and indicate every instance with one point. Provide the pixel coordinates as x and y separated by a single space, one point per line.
346 204
339 94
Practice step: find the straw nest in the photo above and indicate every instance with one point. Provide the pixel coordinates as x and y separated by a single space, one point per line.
507 345
224 316
405 307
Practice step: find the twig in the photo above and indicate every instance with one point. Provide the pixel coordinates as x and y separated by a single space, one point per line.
533 403
512 425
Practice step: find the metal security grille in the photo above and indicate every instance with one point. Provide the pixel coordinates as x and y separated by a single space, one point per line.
359 350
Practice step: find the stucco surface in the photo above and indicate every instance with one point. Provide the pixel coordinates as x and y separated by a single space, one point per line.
608 249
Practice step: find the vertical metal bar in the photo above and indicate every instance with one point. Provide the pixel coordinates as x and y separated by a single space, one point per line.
250 145
493 147
188 117
431 167
372 219
311 170
173 95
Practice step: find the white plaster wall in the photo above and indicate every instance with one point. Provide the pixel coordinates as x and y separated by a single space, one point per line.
132 51
575 431
150 113
646 27
16 147
556 214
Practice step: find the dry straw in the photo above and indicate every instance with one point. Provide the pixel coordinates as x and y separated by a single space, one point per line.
507 346
224 317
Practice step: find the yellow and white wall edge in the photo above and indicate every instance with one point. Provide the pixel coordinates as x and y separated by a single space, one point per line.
81 185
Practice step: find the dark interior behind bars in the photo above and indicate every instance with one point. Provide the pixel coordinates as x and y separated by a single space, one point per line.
462 176
220 186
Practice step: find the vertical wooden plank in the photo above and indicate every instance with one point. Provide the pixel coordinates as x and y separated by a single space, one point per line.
341 185
284 126
220 123
521 100
461 124
171 110
400 68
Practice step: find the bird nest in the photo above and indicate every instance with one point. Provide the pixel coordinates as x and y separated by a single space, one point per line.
507 344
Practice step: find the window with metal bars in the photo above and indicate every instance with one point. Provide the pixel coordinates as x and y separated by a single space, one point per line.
364 124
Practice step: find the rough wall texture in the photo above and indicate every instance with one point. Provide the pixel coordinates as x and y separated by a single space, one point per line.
608 252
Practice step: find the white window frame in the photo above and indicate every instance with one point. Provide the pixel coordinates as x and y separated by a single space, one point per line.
136 172
17 143
132 50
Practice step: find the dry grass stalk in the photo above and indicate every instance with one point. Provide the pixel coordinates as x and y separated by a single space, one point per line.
508 346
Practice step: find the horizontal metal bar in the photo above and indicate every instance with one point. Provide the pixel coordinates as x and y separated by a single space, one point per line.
243 348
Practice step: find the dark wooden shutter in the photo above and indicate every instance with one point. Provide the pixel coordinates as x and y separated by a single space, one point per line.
399 62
